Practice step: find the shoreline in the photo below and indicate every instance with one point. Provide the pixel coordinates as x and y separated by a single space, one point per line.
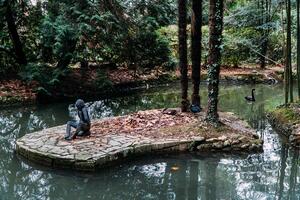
286 121
15 99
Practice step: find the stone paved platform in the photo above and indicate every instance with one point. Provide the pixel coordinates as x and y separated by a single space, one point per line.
48 147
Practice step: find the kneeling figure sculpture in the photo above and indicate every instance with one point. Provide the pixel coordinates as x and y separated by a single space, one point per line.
83 126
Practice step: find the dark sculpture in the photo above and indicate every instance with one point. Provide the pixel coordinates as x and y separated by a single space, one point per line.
251 98
83 126
195 108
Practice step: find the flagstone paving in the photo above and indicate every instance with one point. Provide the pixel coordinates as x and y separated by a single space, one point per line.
48 147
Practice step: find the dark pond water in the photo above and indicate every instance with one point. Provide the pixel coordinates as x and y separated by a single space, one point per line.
273 174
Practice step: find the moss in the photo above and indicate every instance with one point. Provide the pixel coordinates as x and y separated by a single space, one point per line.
286 115
257 142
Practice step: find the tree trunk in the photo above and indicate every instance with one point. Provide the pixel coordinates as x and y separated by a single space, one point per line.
286 83
266 18
298 47
214 60
183 54
12 28
196 36
288 50
263 48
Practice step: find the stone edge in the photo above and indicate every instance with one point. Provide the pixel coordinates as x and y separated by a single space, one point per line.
97 162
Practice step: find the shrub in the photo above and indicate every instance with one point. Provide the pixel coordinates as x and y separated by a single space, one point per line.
47 77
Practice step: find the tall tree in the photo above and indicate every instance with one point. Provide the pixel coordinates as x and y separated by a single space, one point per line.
14 35
289 49
214 58
265 7
298 47
196 36
182 23
286 82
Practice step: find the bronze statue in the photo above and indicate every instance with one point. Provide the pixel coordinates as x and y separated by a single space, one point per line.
83 126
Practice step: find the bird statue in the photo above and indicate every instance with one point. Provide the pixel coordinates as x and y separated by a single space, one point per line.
195 108
251 98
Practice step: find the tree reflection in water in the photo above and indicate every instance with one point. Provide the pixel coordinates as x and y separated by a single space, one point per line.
271 175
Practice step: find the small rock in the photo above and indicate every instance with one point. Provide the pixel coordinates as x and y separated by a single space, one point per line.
227 143
212 140
240 78
204 147
242 138
235 142
217 145
244 146
222 138
199 139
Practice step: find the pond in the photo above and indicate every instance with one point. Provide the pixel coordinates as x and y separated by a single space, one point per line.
269 175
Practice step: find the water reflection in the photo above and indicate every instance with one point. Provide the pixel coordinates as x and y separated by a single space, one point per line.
271 175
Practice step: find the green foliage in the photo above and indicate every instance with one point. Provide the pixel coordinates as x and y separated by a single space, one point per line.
149 50
96 31
46 76
170 33
139 33
237 46
163 12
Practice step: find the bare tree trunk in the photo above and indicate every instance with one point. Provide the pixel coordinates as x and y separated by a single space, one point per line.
298 47
266 18
214 60
288 50
263 48
286 82
18 47
183 54
196 36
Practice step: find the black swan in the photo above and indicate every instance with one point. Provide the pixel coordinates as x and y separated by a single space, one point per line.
251 98
195 108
